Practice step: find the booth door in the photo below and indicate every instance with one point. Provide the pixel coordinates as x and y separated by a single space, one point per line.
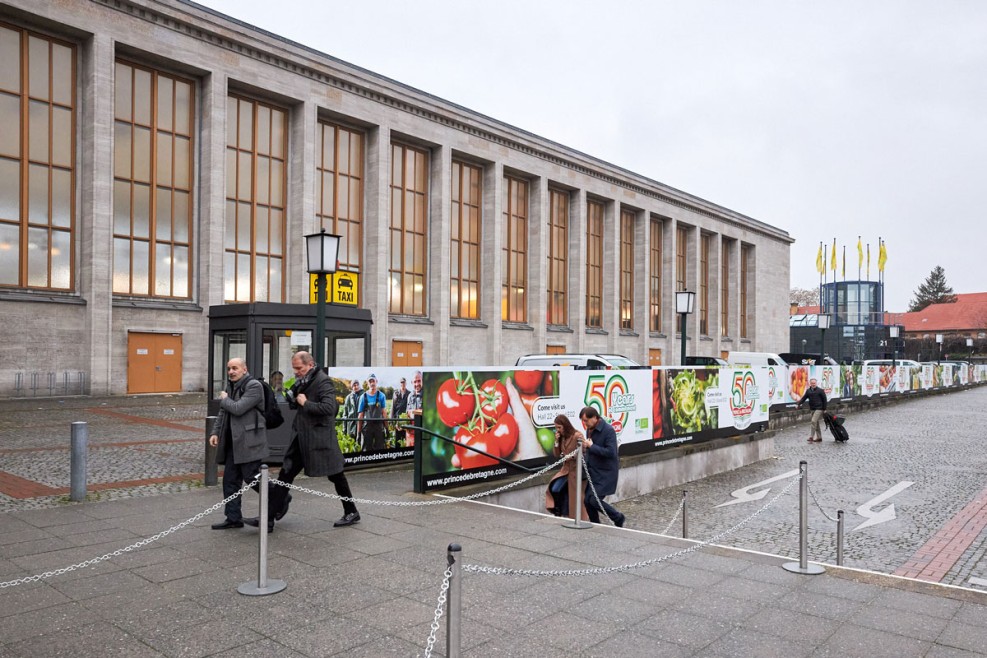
154 363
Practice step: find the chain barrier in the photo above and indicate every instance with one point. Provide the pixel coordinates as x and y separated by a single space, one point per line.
474 568
121 551
816 501
677 512
438 612
425 503
592 488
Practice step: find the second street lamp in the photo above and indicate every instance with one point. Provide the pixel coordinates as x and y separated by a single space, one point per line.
323 252
823 322
893 334
684 301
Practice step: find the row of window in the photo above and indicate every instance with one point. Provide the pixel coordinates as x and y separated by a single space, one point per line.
154 119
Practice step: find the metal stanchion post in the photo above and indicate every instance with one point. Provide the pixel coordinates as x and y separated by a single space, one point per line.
839 537
577 511
210 476
77 464
263 585
685 515
803 566
453 627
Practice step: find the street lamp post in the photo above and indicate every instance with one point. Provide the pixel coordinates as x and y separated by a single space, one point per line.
939 341
323 252
684 301
893 333
823 322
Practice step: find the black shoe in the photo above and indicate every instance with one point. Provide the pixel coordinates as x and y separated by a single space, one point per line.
284 510
348 519
254 522
619 522
227 524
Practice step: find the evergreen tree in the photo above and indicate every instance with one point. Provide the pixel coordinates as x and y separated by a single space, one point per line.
934 290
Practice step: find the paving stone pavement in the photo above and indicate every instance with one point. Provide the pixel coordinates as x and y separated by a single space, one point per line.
936 442
371 589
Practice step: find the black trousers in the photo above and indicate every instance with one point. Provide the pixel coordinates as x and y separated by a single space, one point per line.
291 466
234 475
593 509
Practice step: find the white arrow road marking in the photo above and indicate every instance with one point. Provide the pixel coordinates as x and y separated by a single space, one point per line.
884 515
980 582
745 496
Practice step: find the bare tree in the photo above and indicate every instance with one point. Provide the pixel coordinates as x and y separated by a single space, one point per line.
804 296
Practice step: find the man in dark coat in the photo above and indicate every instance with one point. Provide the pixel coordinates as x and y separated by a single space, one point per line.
600 450
313 443
241 426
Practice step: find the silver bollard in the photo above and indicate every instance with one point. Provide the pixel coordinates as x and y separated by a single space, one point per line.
685 515
577 520
455 612
80 450
839 537
803 566
210 474
263 586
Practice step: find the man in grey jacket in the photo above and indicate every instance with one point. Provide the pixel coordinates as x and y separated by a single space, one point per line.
240 436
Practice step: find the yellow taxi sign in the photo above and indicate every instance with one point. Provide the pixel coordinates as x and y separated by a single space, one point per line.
343 288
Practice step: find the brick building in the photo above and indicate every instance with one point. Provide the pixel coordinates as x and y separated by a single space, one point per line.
159 158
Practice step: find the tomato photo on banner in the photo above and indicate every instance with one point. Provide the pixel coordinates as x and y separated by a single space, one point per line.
491 415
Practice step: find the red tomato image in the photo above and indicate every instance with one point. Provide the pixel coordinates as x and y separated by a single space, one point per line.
503 435
548 388
455 402
468 458
493 399
527 381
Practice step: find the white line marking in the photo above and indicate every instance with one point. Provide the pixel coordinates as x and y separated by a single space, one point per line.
745 496
886 514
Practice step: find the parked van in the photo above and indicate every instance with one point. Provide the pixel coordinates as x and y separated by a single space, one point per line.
755 359
706 361
590 361
899 363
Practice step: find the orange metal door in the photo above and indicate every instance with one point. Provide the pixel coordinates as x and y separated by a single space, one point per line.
406 353
654 357
141 349
168 363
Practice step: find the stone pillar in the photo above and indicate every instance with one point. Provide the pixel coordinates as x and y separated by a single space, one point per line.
538 262
611 274
94 228
376 240
577 269
439 256
303 136
492 265
642 281
212 191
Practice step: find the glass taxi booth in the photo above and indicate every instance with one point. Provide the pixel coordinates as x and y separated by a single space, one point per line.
266 335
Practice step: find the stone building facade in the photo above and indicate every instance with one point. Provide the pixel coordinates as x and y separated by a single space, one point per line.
160 158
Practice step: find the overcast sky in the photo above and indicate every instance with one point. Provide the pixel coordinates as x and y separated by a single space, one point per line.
828 120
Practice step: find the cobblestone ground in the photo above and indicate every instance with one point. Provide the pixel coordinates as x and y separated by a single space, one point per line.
131 439
938 443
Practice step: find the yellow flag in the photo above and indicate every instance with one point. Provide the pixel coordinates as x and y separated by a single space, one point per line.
882 257
819 259
860 253
868 260
833 257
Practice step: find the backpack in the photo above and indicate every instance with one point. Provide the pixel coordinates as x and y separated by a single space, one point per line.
272 414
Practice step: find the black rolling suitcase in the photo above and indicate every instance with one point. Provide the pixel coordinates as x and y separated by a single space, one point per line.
835 425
